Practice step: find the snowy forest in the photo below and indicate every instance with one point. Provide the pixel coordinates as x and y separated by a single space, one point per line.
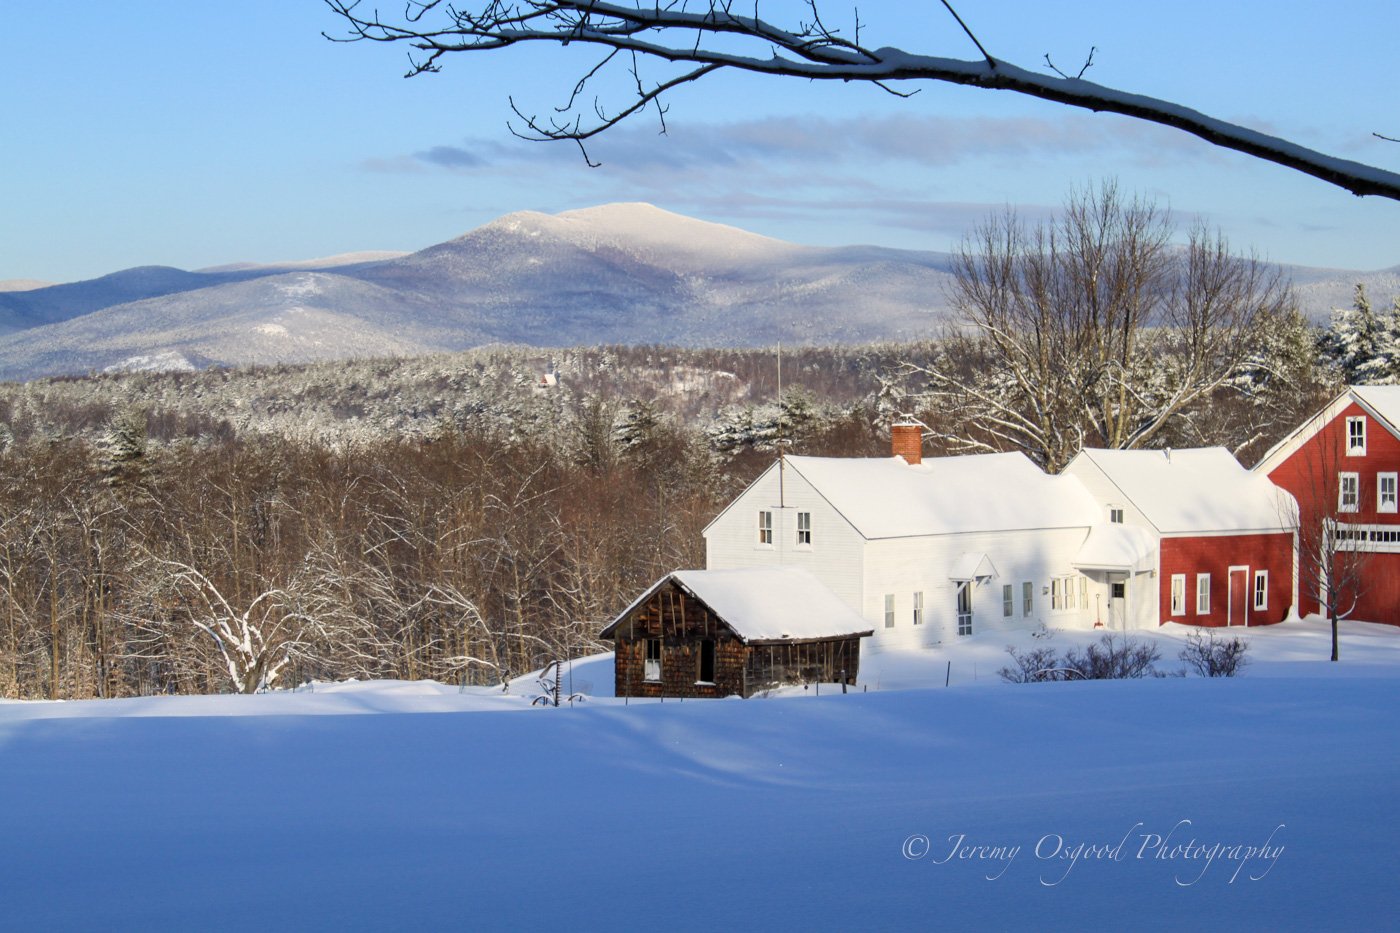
470 517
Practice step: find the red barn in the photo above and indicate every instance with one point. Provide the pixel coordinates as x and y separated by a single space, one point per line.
1224 536
1342 467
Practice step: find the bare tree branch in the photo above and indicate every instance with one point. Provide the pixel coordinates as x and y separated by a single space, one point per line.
716 39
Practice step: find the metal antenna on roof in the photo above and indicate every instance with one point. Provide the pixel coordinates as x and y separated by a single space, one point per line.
782 441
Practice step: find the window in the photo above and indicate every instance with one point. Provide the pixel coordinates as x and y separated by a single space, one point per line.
1027 599
1008 601
1348 492
1356 437
1119 591
765 528
705 674
1202 594
1178 594
919 608
1261 589
651 669
804 528
964 608
1385 492
1062 593
1115 515
889 610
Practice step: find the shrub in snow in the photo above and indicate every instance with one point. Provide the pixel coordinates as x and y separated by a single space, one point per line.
1212 657
1030 666
1115 658
1110 658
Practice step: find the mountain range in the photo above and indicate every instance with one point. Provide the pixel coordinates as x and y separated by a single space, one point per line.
618 273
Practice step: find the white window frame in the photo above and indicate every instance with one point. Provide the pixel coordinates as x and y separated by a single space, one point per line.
1115 514
918 607
1027 599
1387 492
1348 492
1083 592
1261 590
889 610
651 667
1202 594
1178 594
765 528
1008 600
1057 595
1356 436
804 529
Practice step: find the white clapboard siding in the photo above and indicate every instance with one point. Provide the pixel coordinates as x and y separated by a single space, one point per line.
835 556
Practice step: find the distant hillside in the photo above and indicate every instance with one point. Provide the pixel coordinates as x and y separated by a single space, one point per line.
623 273
615 274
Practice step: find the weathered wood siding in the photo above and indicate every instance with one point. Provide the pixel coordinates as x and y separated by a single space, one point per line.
836 660
682 624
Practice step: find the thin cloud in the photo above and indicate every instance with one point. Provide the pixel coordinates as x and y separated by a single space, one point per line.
799 141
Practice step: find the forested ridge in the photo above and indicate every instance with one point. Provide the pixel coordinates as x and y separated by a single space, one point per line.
465 517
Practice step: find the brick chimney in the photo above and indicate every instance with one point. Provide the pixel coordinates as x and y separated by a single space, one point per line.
907 441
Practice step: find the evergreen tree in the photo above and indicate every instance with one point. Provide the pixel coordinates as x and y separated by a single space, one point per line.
1364 345
124 450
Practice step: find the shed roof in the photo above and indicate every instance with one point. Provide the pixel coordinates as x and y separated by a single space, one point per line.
769 604
884 497
1198 490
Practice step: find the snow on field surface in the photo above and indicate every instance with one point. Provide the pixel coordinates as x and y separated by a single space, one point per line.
1263 802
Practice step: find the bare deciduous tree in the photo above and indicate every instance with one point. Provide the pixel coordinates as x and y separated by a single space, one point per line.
1333 552
1091 329
688 43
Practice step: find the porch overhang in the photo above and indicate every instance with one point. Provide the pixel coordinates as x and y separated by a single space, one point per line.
972 566
1116 548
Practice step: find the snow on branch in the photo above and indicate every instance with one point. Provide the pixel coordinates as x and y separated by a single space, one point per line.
715 37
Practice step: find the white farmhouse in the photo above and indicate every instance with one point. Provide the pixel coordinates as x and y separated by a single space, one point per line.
926 551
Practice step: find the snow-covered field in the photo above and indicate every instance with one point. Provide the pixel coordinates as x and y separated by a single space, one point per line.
1268 801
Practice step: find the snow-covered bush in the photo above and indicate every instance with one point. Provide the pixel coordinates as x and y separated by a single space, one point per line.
1030 666
1112 657
1212 657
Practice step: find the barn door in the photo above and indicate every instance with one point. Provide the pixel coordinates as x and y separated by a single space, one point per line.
1238 611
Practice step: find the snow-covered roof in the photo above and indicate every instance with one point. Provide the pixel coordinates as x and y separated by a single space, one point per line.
1124 548
764 604
884 497
1198 490
972 565
1383 402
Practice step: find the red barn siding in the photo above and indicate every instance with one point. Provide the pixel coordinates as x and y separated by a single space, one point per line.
1380 590
1310 474
1311 470
1215 555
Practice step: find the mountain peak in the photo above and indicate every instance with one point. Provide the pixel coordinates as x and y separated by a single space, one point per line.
643 228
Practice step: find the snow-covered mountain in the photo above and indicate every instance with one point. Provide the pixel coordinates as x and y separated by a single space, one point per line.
619 273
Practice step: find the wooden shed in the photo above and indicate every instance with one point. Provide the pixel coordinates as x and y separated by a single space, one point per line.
716 633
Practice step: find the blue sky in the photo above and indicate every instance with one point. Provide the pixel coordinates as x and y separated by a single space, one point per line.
190 134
